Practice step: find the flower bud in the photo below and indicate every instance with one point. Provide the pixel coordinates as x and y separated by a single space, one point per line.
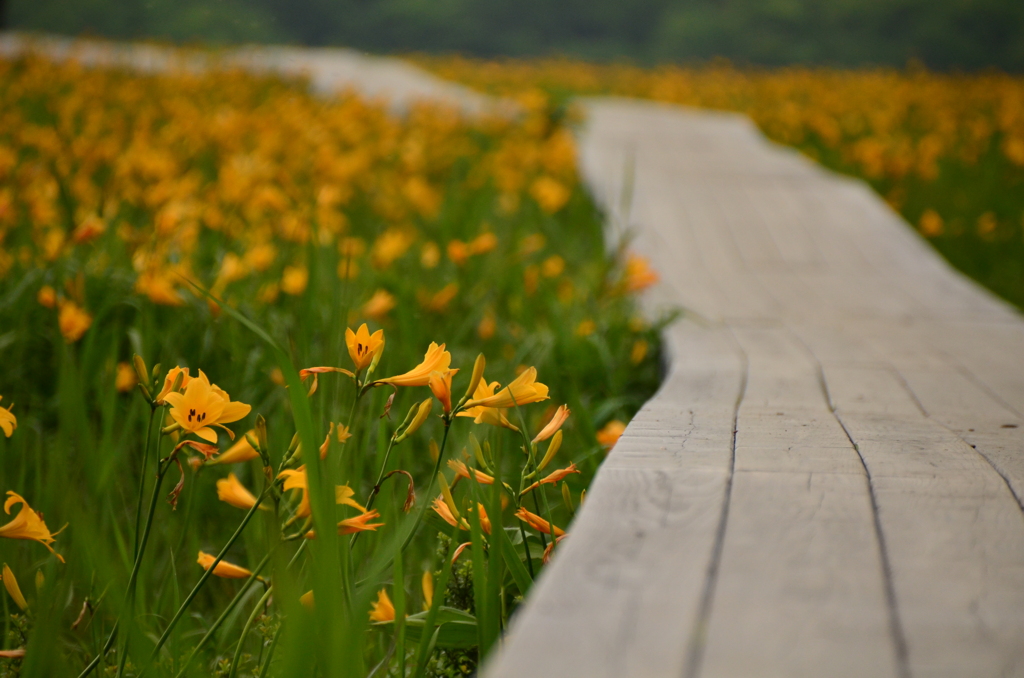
11 584
140 370
567 498
421 416
478 373
556 442
478 453
446 492
435 452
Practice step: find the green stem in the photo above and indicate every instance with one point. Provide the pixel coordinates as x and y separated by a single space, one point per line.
430 487
270 652
248 627
380 477
206 575
106 648
142 480
223 615
134 578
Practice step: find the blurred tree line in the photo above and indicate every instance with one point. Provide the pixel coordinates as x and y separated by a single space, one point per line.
943 34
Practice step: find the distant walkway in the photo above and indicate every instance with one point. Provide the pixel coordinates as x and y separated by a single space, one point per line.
829 482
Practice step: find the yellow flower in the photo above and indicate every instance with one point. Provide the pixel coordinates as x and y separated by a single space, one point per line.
232 492
73 321
554 477
538 523
609 435
224 568
172 374
11 584
441 386
442 509
203 406
126 378
159 287
639 352
638 274
383 610
586 328
296 479
294 280
463 471
239 452
436 359
486 415
561 414
379 305
8 422
430 255
28 524
485 330
523 390
549 193
47 296
343 433
931 224
364 348
360 523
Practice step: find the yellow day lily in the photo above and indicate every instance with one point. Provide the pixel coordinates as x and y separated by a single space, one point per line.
364 348
538 523
28 524
383 610
523 390
232 492
463 471
440 384
296 479
486 415
224 569
561 414
73 321
436 359
442 509
8 422
240 451
204 405
610 434
169 380
553 478
360 523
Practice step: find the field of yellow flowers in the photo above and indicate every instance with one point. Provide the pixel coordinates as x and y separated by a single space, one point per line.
946 150
291 386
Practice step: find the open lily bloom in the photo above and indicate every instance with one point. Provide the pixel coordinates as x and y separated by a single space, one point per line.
436 359
232 492
523 390
296 479
172 375
28 524
383 610
364 348
203 406
486 415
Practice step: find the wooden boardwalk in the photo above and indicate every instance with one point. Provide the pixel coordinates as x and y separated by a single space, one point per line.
829 481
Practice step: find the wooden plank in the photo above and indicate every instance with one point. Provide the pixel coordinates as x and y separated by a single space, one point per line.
621 570
801 588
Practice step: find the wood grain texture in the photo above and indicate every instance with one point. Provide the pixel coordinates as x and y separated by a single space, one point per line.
872 521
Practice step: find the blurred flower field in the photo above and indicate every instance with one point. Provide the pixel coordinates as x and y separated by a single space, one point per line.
945 150
233 314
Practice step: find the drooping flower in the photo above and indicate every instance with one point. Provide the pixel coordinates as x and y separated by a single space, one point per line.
554 477
203 406
441 386
561 414
538 523
546 558
609 435
28 524
224 569
382 610
436 359
231 491
364 348
169 380
523 390
8 422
